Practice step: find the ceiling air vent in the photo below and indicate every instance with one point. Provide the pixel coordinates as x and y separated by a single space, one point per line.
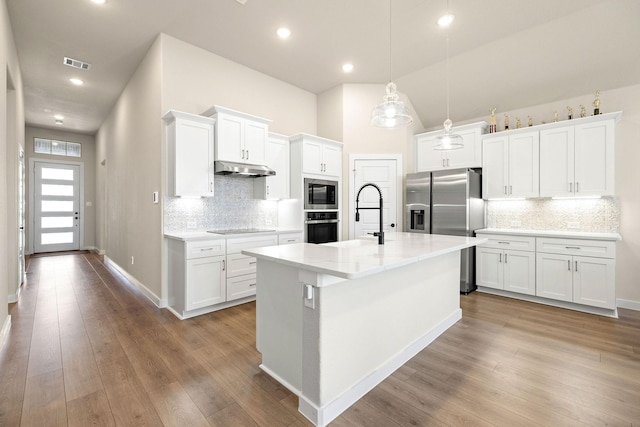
76 64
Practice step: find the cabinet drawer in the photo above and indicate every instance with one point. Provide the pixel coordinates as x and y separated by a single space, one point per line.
501 241
205 248
238 244
285 239
594 248
241 286
238 264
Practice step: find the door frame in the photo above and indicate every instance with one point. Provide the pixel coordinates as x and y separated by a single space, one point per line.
352 191
31 183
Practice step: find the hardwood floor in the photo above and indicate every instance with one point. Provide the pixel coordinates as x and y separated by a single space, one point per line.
87 349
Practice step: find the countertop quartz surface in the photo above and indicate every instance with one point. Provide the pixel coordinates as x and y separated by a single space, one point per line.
188 236
552 233
352 259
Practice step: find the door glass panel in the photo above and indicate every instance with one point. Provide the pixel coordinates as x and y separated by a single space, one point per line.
57 190
63 174
57 238
57 222
57 206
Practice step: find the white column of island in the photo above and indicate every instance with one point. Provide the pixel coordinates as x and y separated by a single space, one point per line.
334 320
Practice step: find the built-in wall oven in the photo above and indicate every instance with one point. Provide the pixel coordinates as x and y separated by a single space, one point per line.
321 227
320 194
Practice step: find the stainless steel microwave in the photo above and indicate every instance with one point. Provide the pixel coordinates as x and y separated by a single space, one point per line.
320 194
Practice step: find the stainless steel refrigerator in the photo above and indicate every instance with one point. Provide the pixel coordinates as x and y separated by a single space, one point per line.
447 202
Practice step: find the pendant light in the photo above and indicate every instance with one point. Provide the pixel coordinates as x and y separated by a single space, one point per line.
391 112
448 140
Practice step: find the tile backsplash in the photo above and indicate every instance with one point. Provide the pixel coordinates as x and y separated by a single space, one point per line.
595 215
232 206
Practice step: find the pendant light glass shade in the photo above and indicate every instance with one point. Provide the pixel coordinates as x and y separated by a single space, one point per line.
448 140
391 112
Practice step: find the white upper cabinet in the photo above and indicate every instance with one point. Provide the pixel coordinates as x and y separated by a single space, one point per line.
320 156
277 158
578 160
510 165
470 156
190 154
240 137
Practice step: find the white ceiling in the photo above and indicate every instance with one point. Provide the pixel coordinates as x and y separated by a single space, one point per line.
504 53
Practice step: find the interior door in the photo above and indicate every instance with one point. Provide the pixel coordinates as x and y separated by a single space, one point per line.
383 173
56 207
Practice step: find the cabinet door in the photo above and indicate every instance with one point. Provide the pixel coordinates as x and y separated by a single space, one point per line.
241 286
229 137
277 158
594 159
205 282
255 139
489 271
312 157
594 282
332 159
524 165
238 264
193 159
556 162
427 159
554 276
494 167
520 272
469 156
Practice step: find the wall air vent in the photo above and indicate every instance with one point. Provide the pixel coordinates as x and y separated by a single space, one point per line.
76 64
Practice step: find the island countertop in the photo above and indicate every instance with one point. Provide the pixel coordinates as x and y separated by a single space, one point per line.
353 259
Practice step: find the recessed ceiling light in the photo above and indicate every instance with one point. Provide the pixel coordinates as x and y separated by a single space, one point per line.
445 20
58 117
76 81
99 1
283 32
347 68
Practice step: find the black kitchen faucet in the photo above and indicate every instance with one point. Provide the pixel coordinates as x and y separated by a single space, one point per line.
380 233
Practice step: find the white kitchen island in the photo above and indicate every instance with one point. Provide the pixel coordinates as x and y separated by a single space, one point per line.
334 320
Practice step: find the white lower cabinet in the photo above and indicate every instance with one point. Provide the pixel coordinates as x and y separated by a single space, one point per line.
566 274
572 270
211 274
241 271
196 273
205 282
507 269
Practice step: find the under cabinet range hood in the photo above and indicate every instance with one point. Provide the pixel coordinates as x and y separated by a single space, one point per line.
224 167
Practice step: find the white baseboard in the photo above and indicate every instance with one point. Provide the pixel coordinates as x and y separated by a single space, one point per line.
321 416
4 332
160 303
554 303
628 304
15 297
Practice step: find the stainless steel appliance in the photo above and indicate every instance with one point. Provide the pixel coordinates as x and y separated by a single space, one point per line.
447 202
321 227
320 194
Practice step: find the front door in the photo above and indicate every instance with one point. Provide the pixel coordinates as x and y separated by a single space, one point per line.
56 207
383 173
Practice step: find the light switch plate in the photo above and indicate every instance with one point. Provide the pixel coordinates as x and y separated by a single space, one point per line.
156 197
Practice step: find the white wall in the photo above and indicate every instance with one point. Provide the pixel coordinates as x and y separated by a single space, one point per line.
11 136
195 79
354 103
129 141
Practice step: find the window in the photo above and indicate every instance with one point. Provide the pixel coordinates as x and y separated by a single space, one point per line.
58 148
